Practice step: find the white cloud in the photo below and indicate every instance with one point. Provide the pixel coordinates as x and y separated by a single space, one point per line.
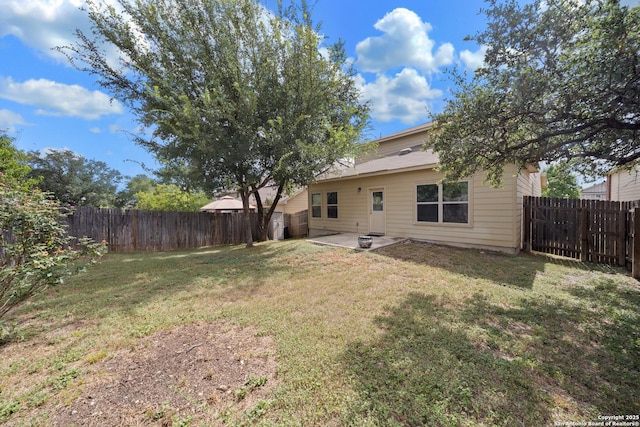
405 43
57 99
43 24
473 60
9 120
404 97
95 130
46 24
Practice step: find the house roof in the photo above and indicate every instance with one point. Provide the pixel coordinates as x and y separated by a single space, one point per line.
600 187
407 159
226 203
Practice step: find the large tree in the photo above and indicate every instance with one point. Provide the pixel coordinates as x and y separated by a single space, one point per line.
73 179
560 81
235 96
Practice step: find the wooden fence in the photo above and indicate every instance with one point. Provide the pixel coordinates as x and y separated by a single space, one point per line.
297 224
589 230
138 230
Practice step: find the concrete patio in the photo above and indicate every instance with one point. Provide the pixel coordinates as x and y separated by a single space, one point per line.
350 240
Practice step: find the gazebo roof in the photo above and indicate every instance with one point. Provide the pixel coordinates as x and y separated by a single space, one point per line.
226 203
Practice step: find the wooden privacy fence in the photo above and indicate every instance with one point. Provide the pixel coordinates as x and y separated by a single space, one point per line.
138 230
297 224
589 230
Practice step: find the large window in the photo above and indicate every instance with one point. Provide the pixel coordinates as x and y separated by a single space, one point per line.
332 204
316 205
443 203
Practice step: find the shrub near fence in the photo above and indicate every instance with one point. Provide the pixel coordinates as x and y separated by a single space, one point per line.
138 230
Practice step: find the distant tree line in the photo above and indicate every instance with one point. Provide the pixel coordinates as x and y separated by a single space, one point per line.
74 180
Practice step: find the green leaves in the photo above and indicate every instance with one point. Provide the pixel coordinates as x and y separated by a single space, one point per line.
35 251
561 81
238 93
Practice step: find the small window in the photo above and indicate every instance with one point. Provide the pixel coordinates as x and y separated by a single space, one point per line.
377 202
316 205
444 203
332 204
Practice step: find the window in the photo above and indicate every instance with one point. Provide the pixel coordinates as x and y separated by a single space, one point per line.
443 203
377 202
332 204
316 205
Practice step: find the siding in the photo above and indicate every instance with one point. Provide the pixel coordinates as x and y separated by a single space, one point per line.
625 185
528 184
396 142
494 213
297 203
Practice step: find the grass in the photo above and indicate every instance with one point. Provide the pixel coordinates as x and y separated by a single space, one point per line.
412 334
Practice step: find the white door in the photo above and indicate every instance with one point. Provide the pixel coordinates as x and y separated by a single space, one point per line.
376 212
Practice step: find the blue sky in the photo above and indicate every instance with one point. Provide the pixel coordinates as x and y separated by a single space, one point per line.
400 48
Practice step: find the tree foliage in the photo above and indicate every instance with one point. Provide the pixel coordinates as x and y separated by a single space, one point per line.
141 183
73 179
236 97
169 197
35 251
561 183
561 81
14 162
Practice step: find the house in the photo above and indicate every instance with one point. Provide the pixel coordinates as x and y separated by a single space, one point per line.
396 191
595 192
623 184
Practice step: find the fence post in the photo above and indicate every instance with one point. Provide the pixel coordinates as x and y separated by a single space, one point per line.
635 259
622 230
584 231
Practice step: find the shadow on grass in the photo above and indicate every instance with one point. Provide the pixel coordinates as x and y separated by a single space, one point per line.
128 283
511 270
441 363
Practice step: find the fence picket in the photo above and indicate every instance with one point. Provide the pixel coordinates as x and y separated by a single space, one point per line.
137 230
590 230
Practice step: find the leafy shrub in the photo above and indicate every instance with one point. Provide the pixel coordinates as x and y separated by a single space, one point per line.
35 251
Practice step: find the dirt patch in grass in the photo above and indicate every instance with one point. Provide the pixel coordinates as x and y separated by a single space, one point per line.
192 374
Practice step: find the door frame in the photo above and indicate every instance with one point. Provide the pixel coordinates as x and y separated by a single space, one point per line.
371 190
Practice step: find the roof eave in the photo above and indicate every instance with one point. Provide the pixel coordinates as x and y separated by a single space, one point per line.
378 173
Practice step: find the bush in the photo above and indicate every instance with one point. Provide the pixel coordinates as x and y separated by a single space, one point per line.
35 251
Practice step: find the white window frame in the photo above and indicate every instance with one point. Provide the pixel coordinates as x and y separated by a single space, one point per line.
319 206
333 205
441 203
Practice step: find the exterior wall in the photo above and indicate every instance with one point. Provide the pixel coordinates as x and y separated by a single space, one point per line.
528 184
595 192
625 185
494 213
396 142
299 202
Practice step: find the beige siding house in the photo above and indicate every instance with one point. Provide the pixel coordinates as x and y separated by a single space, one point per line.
296 202
624 185
397 192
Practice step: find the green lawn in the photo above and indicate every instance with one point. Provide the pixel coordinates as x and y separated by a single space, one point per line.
412 334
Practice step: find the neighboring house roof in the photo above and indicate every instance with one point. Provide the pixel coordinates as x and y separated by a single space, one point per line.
597 190
226 203
407 159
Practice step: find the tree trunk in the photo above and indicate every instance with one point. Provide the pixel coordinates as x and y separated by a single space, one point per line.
265 217
244 194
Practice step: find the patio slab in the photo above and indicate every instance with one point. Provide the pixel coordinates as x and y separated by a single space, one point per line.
350 240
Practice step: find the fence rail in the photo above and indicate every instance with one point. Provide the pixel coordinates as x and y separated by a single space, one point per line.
590 230
138 230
